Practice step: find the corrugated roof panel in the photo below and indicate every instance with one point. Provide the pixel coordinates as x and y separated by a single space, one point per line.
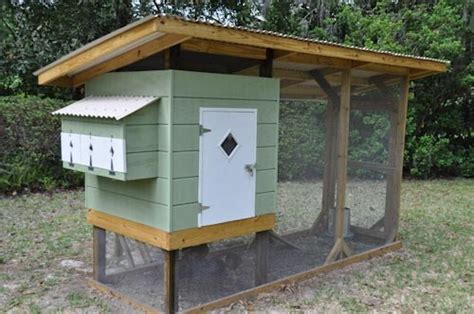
112 107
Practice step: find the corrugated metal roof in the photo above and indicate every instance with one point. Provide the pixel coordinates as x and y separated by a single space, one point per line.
114 107
303 39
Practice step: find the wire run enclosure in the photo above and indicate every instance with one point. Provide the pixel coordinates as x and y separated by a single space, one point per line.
343 201
332 196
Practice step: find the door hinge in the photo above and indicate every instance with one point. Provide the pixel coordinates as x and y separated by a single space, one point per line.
203 130
201 207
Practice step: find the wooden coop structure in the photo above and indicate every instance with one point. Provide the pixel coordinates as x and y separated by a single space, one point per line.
178 137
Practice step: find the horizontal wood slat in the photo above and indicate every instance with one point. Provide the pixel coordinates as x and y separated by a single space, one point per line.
182 238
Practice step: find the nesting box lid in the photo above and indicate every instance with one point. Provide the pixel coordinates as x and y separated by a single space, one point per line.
113 107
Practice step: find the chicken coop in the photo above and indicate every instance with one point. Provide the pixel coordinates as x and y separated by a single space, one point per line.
221 162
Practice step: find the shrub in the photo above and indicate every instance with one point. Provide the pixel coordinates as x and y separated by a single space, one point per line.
29 141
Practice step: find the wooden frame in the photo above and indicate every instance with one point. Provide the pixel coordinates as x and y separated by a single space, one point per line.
265 288
179 239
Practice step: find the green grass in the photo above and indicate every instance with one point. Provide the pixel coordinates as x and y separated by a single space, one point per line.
434 272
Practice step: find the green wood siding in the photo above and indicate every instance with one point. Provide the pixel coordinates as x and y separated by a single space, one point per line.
141 211
143 83
211 85
169 202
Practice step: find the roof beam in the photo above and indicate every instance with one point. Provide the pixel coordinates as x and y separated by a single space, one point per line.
264 40
150 48
95 52
223 48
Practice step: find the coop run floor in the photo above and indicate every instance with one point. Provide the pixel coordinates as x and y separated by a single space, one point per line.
205 273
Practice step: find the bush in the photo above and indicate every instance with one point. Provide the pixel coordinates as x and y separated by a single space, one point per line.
301 140
29 141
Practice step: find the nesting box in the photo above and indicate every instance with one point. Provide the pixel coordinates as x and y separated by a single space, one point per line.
173 149
110 136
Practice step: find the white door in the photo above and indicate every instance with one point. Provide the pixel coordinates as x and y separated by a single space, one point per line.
228 152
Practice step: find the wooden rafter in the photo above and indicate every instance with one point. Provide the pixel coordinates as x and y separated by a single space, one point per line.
223 48
157 45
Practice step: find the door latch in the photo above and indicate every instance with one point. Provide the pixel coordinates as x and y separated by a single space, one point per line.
250 168
202 207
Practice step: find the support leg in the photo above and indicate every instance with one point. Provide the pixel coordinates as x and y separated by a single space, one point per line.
98 254
261 268
170 287
118 251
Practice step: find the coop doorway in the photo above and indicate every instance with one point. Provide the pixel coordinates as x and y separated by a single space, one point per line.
227 164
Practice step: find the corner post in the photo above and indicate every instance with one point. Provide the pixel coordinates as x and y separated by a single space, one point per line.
340 247
397 143
99 254
262 239
261 262
170 287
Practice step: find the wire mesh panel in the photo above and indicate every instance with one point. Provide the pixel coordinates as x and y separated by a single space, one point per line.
371 152
135 269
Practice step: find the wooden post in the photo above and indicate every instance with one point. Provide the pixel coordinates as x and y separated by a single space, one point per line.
394 181
261 262
118 250
329 184
330 140
171 58
266 68
170 287
99 257
340 247
262 239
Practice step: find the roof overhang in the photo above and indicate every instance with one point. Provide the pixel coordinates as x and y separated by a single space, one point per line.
292 57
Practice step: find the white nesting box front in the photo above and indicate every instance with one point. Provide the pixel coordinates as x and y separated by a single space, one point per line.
95 136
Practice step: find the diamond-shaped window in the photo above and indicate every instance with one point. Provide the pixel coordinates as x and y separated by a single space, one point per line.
229 144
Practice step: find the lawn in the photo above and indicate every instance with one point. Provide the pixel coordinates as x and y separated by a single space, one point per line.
46 249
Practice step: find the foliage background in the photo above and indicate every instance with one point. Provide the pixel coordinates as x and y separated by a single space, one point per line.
439 132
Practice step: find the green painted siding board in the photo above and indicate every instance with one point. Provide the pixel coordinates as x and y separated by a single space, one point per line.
142 165
187 110
266 180
163 137
185 190
163 164
144 212
141 138
267 158
267 135
185 164
265 203
185 137
140 83
146 115
152 190
185 216
211 85
97 127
